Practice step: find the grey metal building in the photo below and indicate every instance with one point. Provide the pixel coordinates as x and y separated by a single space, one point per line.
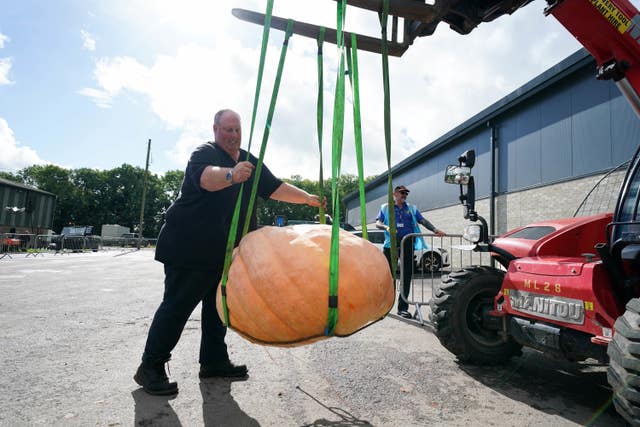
539 150
25 209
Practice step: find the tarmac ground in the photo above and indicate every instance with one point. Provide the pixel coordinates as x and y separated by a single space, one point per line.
74 327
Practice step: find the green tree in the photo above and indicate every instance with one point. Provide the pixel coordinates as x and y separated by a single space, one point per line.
267 210
95 197
124 186
11 177
171 183
92 197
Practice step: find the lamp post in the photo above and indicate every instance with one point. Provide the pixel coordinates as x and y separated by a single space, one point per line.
144 193
14 209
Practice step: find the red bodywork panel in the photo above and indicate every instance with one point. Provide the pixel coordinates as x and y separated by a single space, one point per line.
546 297
552 282
572 238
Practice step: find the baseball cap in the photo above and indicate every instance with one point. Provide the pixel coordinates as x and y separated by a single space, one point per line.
401 188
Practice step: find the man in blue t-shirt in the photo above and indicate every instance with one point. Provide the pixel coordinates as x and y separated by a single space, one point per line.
407 219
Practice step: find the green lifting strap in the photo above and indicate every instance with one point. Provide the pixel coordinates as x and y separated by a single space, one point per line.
263 52
236 215
387 130
319 123
267 127
353 78
336 158
338 130
352 62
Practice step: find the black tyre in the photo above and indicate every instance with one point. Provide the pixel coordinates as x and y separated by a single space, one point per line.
431 262
624 363
458 309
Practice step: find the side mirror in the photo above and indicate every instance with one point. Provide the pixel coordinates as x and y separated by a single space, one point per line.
455 174
461 175
468 158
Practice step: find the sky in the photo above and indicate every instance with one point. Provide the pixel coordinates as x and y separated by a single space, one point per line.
86 83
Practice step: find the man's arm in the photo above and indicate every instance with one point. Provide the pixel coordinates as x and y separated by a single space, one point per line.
432 228
381 225
292 194
214 178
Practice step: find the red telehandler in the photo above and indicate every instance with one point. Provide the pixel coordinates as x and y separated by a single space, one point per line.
569 287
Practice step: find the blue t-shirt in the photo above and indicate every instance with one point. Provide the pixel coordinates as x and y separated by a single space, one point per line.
404 220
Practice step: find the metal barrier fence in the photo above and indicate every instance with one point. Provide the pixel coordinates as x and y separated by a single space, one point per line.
12 243
127 242
432 265
33 245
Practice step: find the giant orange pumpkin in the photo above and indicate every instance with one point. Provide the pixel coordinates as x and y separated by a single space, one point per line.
278 285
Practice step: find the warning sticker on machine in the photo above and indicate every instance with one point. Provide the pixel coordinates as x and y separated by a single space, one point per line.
612 14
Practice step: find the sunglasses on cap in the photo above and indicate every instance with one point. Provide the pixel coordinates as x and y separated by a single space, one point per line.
404 192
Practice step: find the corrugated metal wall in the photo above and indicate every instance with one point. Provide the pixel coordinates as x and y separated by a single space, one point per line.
578 127
38 207
574 127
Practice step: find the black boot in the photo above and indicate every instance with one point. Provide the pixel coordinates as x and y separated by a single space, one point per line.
224 369
153 379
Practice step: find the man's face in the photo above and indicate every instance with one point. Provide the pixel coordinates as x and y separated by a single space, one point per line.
400 195
229 132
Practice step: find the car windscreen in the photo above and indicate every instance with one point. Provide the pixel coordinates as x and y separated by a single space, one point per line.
73 231
376 236
532 233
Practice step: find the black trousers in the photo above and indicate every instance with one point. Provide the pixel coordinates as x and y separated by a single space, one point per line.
184 289
407 262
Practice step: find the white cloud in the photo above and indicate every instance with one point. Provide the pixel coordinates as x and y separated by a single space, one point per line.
5 67
5 63
183 90
447 78
13 157
114 75
439 83
88 42
102 98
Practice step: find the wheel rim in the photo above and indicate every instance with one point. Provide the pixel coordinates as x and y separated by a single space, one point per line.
479 305
430 262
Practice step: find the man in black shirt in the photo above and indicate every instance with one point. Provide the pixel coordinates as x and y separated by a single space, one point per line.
192 245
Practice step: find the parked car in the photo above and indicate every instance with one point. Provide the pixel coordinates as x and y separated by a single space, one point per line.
282 221
76 238
429 260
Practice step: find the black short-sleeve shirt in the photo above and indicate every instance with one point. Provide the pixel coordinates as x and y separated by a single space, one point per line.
197 224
